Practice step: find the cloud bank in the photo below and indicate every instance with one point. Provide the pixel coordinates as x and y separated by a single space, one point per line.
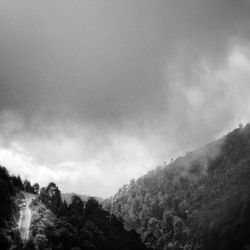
93 94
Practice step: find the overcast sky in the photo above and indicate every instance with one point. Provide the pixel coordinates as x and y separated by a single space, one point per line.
95 93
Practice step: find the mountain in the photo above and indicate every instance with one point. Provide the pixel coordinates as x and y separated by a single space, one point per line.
199 201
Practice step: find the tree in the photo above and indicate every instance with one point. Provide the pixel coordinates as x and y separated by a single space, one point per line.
17 181
41 241
77 204
91 206
29 245
28 187
36 188
51 196
63 209
44 195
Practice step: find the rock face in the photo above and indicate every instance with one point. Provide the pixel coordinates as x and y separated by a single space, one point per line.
198 201
25 216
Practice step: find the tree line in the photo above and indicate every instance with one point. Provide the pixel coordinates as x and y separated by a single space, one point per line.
82 225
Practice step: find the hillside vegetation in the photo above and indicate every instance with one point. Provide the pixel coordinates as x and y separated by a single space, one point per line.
68 197
199 201
79 225
58 225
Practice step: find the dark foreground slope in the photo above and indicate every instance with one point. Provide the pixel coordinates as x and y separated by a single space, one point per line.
10 196
199 201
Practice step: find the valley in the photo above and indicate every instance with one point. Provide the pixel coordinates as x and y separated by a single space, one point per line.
199 201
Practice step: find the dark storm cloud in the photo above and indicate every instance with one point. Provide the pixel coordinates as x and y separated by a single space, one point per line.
97 75
106 60
101 65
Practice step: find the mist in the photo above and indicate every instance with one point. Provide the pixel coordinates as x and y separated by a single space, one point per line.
93 94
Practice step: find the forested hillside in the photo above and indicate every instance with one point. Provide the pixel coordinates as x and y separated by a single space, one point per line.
199 201
56 224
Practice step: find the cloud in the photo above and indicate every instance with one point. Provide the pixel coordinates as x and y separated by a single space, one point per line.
98 173
107 90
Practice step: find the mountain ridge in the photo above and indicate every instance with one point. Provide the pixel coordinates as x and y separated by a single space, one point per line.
186 203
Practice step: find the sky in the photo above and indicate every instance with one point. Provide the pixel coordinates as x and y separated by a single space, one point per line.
96 93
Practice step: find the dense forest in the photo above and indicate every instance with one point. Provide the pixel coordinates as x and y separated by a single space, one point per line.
84 225
198 201
68 197
58 225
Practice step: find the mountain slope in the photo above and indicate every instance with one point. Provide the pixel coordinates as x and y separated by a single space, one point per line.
199 201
